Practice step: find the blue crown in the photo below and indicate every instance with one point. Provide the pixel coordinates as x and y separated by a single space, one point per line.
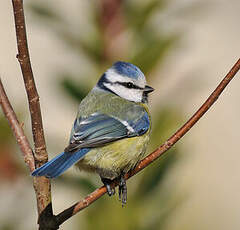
128 69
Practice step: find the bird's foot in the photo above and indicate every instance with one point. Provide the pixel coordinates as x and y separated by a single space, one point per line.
107 183
122 190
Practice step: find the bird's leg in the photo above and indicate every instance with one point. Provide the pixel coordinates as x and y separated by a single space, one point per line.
122 190
107 183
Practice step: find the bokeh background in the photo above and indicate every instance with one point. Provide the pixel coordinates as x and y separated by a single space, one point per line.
184 48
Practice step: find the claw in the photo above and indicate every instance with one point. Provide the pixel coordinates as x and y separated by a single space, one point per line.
122 190
107 182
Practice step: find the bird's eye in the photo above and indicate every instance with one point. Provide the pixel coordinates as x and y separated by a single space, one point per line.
129 85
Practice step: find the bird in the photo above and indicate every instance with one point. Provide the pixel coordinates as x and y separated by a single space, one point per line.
111 131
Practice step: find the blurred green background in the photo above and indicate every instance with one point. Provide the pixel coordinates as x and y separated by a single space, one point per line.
94 35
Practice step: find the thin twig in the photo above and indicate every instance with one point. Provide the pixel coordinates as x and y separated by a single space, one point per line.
66 214
33 98
41 184
17 129
45 207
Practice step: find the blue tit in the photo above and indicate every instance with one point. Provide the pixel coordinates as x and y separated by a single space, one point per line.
111 130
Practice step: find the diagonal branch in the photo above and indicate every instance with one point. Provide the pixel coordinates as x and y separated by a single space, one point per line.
41 184
17 129
66 214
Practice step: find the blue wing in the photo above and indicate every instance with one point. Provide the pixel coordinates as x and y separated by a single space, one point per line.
141 126
93 131
99 129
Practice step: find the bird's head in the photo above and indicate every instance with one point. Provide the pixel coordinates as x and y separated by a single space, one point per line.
127 81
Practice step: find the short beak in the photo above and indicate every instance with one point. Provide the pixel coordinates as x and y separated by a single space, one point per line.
148 89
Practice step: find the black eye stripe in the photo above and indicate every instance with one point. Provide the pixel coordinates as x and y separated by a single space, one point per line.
129 85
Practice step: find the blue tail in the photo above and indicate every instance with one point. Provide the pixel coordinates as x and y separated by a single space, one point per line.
59 164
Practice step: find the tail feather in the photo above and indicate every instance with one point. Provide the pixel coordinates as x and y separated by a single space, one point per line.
59 164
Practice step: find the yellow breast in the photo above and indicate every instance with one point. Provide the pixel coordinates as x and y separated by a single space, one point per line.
118 157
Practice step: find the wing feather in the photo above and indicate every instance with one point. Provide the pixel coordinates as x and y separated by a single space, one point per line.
99 129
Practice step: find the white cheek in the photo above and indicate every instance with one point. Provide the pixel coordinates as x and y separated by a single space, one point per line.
128 94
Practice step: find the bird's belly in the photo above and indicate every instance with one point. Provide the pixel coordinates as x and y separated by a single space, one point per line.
113 159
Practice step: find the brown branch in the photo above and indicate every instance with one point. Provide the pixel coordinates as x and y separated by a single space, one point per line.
33 98
66 214
17 129
41 184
